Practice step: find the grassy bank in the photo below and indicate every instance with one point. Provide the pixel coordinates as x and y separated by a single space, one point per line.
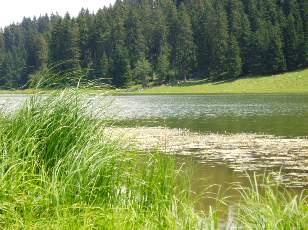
58 171
293 82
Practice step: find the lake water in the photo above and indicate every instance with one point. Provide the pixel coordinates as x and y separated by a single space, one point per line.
281 115
284 116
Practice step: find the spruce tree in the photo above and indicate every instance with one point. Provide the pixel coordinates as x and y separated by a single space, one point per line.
143 71
233 59
239 26
119 67
84 22
275 59
134 41
64 45
163 67
185 47
293 34
216 31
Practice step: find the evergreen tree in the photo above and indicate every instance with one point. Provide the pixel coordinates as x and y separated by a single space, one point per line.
119 67
239 26
135 41
2 57
185 47
217 39
84 22
293 34
233 59
275 59
64 49
216 30
163 67
37 53
143 71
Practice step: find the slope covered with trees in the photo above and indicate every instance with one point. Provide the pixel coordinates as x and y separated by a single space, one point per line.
141 41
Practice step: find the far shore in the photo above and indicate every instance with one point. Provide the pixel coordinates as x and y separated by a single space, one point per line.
287 83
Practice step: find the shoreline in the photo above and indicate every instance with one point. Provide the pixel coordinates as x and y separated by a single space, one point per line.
287 83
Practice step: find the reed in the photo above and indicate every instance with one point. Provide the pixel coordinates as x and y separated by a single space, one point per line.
268 205
58 170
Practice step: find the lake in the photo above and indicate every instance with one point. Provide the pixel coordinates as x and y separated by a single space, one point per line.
275 118
281 115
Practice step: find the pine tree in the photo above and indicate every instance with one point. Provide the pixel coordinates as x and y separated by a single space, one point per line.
233 59
275 59
304 47
101 42
185 47
239 26
143 71
119 67
64 45
177 38
163 67
2 57
134 41
14 65
84 22
216 31
37 53
158 36
293 34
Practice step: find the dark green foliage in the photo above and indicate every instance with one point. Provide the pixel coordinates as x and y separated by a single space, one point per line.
120 67
163 67
233 59
63 46
185 47
143 71
275 58
179 39
216 39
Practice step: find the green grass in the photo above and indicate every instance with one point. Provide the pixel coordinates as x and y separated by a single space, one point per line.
293 82
58 171
265 205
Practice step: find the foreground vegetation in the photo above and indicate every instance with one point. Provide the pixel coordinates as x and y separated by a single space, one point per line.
58 171
293 82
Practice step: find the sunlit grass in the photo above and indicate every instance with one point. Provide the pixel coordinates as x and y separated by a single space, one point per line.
265 205
57 170
293 82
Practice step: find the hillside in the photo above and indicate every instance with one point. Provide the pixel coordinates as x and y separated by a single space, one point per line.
292 82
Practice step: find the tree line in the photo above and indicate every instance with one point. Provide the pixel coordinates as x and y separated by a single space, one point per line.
159 41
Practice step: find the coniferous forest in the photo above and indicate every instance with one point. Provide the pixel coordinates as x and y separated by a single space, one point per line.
143 41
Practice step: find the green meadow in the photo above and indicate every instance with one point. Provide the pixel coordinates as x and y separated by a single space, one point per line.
292 82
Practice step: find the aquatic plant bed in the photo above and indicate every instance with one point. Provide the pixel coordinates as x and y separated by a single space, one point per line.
285 158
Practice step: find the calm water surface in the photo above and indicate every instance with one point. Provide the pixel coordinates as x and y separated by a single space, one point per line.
281 115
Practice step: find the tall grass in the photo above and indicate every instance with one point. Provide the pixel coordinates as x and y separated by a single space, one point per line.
57 170
265 205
